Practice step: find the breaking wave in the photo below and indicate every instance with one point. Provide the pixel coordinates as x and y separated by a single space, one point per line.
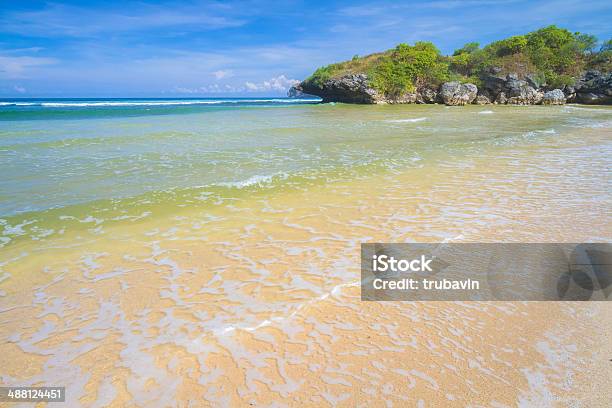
412 120
83 104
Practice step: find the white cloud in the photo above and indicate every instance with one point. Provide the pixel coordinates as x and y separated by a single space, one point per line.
17 67
19 89
59 20
183 90
207 89
220 74
279 83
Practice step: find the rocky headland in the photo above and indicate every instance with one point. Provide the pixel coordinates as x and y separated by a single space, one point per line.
550 66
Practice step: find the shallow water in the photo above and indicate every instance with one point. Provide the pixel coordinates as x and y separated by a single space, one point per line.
125 165
211 254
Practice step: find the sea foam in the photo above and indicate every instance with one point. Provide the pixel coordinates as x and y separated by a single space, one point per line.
411 120
257 180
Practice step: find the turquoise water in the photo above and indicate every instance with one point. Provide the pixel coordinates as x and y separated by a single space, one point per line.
44 109
107 158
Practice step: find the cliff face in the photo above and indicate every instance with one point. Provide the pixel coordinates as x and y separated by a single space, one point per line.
355 88
592 87
347 89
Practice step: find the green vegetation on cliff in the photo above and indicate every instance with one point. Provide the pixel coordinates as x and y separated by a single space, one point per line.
408 67
551 56
354 66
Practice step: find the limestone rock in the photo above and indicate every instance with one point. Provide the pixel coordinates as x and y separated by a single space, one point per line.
427 95
591 98
521 93
501 98
594 88
349 89
554 97
482 100
405 98
294 92
355 88
454 93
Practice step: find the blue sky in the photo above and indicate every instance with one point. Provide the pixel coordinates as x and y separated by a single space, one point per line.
237 48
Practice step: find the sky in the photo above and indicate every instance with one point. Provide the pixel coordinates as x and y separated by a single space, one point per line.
240 48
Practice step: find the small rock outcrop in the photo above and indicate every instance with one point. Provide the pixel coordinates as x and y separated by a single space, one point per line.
356 89
570 93
405 98
526 96
349 89
427 95
294 92
501 98
482 100
591 98
510 89
554 97
519 91
493 84
594 88
455 93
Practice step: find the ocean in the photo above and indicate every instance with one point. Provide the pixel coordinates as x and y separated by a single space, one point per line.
157 249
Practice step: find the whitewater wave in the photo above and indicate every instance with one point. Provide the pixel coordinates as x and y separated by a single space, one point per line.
18 103
411 120
485 112
590 124
569 108
535 133
257 180
68 104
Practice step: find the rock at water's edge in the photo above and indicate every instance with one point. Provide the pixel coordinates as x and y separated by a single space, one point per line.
427 95
519 92
405 98
295 92
554 97
590 98
482 100
454 93
349 89
355 88
501 98
594 88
